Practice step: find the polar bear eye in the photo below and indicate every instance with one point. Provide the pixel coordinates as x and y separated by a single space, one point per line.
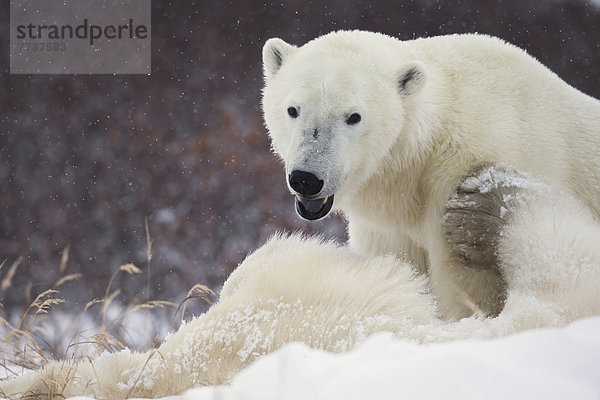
292 112
353 119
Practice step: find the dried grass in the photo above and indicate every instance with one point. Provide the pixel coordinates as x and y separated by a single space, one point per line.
25 345
7 280
197 291
66 279
64 258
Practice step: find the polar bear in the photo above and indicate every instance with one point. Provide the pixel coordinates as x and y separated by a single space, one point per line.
384 131
291 289
330 297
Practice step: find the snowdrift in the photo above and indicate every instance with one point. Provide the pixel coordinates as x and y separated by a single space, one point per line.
538 364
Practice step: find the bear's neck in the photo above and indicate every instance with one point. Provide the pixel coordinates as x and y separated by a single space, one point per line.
395 195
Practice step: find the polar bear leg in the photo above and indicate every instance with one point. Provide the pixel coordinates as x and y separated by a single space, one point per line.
461 290
479 210
365 239
474 220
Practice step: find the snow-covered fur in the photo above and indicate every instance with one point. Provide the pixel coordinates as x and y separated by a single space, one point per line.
330 297
549 256
385 130
291 289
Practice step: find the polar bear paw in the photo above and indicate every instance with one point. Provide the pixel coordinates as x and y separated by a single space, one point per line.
478 211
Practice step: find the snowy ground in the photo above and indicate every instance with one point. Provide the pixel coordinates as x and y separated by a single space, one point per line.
540 364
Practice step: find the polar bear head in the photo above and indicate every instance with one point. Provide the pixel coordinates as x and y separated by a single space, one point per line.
334 109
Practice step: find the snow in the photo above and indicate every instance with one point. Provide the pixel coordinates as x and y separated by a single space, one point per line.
538 364
492 177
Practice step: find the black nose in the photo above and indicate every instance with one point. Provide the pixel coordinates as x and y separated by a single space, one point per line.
305 183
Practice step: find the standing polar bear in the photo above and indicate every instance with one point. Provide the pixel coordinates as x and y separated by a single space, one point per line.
386 131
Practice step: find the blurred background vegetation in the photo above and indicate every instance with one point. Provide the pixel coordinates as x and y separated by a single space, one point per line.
86 159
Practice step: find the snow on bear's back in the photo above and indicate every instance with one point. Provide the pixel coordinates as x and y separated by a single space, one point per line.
329 276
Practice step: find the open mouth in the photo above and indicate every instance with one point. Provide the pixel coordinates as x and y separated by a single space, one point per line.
313 209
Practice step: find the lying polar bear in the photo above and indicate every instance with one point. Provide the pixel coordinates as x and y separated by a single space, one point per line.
323 294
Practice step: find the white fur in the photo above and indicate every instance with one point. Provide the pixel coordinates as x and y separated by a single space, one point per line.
477 99
291 289
295 289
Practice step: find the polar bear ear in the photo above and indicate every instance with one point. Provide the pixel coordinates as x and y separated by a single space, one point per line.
411 78
274 53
